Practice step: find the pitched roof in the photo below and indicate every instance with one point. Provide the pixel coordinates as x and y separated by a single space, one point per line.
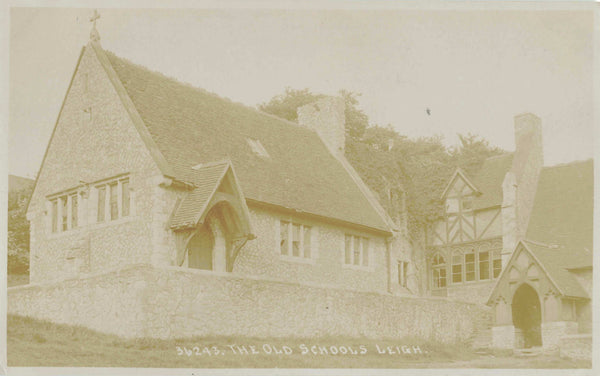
191 126
489 180
563 210
194 203
557 261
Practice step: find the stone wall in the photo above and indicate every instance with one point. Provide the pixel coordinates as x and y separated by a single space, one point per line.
262 257
172 302
578 346
94 139
475 292
552 332
107 302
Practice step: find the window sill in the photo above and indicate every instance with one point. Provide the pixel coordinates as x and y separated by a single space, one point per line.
119 221
91 226
457 284
299 260
358 267
65 234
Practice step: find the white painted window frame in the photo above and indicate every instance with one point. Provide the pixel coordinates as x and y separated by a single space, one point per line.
360 266
314 244
107 192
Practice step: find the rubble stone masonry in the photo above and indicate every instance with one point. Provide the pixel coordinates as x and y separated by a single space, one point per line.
171 302
94 139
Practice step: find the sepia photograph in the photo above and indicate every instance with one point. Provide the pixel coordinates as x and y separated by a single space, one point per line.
314 187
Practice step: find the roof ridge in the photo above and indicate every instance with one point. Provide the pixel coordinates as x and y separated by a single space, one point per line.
571 163
545 245
505 154
211 164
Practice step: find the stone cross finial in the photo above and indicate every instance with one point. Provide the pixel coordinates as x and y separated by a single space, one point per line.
94 35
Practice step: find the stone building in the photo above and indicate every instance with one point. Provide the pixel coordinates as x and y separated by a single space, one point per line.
162 210
543 296
518 236
143 169
484 217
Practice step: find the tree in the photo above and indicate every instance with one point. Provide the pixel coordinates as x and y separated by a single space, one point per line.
472 152
393 165
286 105
18 231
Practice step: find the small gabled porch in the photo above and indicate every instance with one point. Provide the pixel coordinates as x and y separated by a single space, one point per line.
211 223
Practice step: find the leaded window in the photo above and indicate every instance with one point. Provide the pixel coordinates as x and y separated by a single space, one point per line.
457 268
438 269
295 239
470 267
356 250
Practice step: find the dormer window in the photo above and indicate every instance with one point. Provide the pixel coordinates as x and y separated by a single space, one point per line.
257 147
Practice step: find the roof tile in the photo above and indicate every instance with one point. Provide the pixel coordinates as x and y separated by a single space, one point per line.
192 205
556 261
192 126
489 180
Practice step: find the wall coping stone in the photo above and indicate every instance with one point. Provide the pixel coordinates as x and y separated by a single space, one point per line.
146 266
577 336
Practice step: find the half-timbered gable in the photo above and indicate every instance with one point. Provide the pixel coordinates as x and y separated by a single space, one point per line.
484 216
469 234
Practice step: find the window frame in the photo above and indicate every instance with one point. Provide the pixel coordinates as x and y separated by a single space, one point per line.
403 273
496 258
106 216
473 263
363 251
439 272
479 265
306 251
64 215
462 269
493 262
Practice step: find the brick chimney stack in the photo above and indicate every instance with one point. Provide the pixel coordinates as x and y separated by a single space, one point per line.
326 117
520 183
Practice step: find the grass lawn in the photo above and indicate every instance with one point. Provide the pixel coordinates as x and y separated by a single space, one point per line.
34 343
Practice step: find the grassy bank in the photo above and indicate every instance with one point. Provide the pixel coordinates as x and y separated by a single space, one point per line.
38 343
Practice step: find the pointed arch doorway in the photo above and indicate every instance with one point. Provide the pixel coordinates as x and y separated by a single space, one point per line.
527 317
200 249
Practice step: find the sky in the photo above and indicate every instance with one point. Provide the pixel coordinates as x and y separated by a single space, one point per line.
474 69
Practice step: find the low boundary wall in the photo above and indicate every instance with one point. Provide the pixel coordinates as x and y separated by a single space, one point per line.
169 302
576 346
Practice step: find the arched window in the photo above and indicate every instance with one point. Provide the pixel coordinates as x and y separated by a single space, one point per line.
438 271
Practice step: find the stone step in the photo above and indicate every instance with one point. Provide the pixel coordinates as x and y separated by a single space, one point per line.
529 352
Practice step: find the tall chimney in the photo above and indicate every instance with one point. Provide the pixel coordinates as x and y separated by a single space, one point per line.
527 164
326 117
528 145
